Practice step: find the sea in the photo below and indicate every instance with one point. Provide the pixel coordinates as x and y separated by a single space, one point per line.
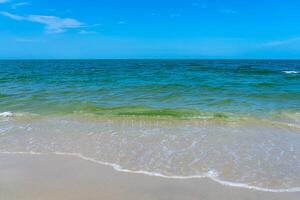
236 122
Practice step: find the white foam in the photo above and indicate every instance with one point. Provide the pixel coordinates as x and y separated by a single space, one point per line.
6 114
212 174
291 72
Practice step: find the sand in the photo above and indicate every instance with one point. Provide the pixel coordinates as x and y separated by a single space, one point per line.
43 177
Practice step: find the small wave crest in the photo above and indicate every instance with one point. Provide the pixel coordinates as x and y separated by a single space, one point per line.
9 114
6 114
149 112
291 72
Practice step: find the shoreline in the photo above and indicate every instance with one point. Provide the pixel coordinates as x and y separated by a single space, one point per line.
224 153
36 176
211 176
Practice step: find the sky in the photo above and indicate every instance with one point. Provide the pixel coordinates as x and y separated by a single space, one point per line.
163 29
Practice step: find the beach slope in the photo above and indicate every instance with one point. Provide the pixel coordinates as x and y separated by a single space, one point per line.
31 177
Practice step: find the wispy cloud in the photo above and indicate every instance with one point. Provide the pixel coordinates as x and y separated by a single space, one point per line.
55 24
121 22
281 42
85 32
228 11
52 24
12 16
16 5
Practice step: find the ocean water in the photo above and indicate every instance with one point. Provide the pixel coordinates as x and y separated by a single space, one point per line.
236 122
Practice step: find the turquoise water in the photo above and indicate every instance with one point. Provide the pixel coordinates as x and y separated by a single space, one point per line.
165 88
234 122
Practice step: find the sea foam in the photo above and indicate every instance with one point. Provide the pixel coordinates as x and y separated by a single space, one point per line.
6 114
291 72
211 174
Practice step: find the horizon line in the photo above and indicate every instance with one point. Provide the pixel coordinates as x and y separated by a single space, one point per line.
283 59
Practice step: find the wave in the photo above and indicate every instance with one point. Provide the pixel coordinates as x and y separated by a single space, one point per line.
9 115
6 114
182 149
284 119
212 174
123 112
291 72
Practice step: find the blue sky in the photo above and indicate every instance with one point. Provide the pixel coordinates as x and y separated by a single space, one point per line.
150 29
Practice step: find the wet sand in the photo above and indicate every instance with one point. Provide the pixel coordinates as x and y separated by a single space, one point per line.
53 177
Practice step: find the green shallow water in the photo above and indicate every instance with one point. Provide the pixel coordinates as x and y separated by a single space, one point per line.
235 122
151 88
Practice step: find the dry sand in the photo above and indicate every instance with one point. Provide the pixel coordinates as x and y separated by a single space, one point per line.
40 177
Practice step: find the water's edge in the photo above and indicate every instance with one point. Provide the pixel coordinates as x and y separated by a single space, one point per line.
210 175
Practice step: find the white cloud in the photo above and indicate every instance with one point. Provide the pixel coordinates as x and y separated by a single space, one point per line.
12 16
16 5
52 24
55 24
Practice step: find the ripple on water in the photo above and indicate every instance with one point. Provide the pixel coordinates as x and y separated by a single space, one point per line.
252 154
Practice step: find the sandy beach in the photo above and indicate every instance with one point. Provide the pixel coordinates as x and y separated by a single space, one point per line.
149 100
33 177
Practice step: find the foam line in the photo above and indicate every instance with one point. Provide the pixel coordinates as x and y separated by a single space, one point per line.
291 72
210 175
6 114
